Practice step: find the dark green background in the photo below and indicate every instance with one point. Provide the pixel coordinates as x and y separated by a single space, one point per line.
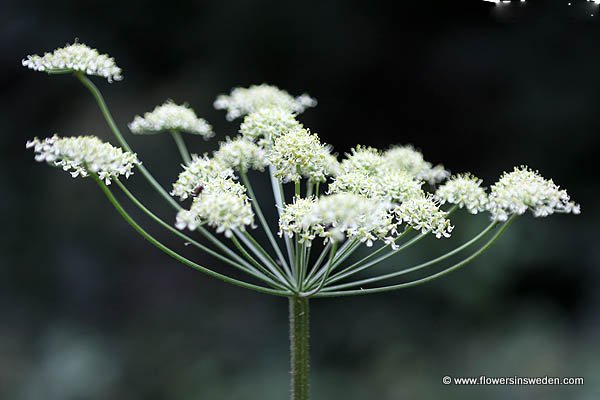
88 310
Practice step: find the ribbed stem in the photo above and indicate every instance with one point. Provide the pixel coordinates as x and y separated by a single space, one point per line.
299 349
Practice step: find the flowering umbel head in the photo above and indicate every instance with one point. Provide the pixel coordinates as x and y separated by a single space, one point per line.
267 123
222 204
197 174
300 154
241 154
243 101
83 155
337 217
524 189
76 57
408 159
171 117
464 190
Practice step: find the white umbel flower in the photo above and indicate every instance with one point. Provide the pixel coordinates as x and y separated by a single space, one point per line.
300 154
241 154
222 204
524 189
292 216
407 158
268 123
171 117
424 214
364 160
76 57
243 101
465 191
396 186
197 174
339 216
83 155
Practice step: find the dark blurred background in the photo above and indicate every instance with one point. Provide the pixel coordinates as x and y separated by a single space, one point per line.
89 310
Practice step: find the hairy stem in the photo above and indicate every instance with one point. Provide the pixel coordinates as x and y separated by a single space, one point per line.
299 348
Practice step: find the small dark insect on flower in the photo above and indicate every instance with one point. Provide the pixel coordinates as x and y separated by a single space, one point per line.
198 190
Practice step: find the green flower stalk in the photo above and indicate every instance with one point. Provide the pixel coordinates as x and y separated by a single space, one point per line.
373 200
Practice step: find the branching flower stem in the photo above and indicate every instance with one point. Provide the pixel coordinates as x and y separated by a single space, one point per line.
277 281
241 264
327 272
422 280
279 202
417 267
177 256
262 254
361 266
264 223
115 130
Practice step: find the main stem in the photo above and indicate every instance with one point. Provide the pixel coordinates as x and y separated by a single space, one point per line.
299 349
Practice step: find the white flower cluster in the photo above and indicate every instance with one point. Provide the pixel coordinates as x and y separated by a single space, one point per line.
241 154
76 57
369 173
408 159
268 123
300 153
423 213
222 204
364 160
171 116
465 191
83 155
243 101
524 189
396 186
198 174
338 216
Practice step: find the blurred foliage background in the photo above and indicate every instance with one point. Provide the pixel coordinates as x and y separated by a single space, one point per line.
91 311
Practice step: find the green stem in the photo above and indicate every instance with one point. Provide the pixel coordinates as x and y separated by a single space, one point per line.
185 154
357 267
115 130
299 348
327 272
280 201
174 254
417 267
422 280
244 266
263 222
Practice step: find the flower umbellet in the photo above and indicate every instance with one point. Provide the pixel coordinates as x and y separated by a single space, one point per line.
380 201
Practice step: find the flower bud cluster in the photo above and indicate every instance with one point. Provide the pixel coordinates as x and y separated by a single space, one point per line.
169 117
75 57
83 155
